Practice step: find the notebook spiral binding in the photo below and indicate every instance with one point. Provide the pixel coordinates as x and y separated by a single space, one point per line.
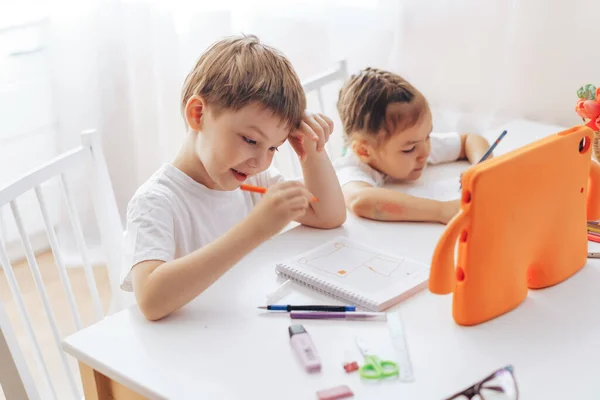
326 288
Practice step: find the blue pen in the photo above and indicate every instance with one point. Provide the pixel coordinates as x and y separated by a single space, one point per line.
487 153
289 308
492 147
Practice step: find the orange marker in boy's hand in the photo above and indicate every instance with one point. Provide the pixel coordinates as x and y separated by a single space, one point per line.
261 190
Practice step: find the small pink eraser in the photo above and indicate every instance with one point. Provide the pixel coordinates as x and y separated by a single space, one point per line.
338 392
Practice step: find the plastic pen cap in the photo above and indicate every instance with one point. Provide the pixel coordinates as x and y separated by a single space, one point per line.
296 329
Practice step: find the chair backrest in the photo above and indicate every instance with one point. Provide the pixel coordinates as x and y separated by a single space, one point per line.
89 158
286 160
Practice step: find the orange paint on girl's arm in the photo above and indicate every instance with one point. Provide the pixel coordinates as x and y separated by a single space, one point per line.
384 204
385 211
391 208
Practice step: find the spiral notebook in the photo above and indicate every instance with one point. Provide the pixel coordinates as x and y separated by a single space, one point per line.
357 274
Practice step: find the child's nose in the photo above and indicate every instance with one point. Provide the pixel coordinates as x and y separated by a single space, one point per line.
253 162
423 154
258 160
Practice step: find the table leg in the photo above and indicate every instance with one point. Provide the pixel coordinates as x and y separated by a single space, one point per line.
100 387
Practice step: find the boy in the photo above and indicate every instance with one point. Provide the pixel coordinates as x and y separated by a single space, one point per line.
387 123
191 222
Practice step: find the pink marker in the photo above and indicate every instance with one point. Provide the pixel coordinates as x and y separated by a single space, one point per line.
304 347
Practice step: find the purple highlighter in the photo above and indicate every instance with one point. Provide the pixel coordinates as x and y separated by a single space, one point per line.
354 316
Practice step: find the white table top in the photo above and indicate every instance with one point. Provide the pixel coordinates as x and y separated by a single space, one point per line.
221 347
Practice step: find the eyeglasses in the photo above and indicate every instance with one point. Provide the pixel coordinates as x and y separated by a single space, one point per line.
500 385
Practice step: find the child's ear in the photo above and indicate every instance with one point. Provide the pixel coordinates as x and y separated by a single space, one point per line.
194 110
362 149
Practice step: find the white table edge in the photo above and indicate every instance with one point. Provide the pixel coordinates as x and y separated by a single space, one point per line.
108 371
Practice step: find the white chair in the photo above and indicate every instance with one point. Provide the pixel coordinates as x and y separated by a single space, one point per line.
88 157
286 160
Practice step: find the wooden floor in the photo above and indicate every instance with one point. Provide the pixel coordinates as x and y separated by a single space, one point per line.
61 311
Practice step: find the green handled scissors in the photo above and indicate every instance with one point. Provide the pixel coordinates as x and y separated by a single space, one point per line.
374 367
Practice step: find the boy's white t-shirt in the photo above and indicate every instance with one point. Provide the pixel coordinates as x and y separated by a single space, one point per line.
445 147
171 215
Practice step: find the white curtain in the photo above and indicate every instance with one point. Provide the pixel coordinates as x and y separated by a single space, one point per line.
118 65
484 62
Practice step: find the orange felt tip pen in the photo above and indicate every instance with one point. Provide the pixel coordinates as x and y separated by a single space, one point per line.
261 190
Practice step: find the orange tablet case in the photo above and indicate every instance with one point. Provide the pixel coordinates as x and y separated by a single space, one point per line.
522 224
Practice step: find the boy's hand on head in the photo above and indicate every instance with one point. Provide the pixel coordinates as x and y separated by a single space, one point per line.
314 127
283 203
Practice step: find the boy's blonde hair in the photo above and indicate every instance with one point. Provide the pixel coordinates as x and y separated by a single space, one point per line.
377 103
240 70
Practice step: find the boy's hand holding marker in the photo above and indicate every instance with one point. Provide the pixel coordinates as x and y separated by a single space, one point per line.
282 204
288 201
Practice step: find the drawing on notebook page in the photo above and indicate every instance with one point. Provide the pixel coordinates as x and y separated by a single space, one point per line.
357 273
343 259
